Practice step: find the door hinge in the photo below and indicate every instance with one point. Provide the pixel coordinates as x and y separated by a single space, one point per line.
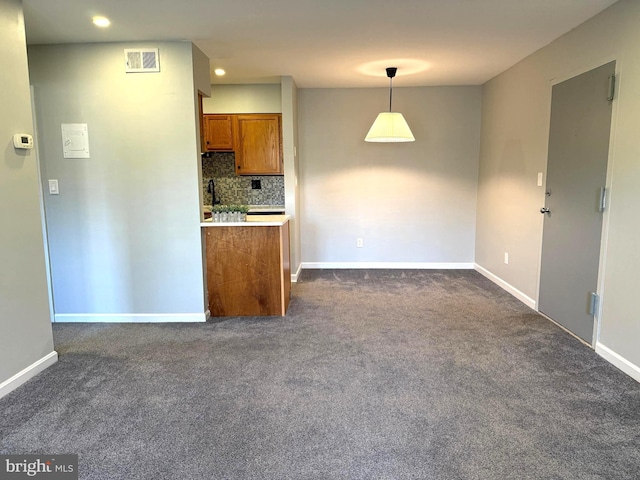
602 205
612 87
594 303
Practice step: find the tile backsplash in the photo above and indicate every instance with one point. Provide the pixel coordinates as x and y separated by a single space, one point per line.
233 189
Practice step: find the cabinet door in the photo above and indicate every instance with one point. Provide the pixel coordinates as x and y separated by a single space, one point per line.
219 133
259 144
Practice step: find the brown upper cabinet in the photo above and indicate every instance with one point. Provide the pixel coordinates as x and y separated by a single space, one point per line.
219 133
259 144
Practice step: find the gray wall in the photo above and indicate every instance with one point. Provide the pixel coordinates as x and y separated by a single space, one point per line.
243 99
124 233
411 203
201 85
291 167
515 127
25 328
201 78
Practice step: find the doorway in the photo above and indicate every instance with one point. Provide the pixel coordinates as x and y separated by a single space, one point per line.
575 199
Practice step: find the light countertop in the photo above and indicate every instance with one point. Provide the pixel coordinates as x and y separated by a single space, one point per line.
252 221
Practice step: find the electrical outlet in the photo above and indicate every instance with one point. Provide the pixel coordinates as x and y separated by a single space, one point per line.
359 242
506 258
256 184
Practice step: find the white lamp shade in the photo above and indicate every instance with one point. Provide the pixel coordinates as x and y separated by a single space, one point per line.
389 127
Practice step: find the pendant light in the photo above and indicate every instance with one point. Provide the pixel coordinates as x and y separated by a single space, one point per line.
390 127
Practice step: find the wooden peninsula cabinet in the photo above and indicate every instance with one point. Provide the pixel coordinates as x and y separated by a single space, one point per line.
248 267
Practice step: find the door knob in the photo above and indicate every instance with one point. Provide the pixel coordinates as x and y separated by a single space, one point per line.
545 210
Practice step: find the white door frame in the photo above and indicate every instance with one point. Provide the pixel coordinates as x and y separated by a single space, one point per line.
43 216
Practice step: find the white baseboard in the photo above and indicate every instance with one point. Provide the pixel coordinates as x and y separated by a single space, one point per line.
295 276
528 301
390 265
28 373
130 317
618 361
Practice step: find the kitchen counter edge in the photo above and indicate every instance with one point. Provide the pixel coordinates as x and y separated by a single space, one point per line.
252 221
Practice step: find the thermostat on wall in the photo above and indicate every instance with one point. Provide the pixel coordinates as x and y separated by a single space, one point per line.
22 140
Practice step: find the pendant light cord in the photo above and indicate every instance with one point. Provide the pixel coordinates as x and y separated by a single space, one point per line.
391 72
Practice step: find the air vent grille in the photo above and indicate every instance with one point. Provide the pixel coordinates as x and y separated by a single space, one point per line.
141 60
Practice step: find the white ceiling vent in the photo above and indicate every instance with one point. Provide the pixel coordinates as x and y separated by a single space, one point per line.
141 60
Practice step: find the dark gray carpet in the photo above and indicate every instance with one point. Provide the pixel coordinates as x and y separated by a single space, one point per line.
371 375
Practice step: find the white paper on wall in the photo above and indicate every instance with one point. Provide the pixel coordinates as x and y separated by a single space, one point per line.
75 140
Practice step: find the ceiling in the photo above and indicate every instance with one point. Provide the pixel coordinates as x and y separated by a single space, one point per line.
327 43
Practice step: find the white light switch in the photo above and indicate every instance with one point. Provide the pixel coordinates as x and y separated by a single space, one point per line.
539 179
53 187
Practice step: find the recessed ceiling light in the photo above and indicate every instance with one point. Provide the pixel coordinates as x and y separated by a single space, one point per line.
219 72
101 22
